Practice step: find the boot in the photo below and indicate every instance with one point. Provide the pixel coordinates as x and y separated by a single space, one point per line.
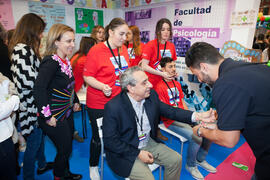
48 166
160 136
72 176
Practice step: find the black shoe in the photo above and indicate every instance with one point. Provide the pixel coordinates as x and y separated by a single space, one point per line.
47 167
72 176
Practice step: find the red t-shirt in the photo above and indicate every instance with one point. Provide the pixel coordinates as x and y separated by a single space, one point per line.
150 52
165 95
134 59
101 65
78 71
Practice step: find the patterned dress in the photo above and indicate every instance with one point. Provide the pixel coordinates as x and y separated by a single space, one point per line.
24 69
54 89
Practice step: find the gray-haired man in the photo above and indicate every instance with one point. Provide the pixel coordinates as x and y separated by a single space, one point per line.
129 129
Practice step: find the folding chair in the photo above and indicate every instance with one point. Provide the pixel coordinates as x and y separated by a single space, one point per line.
99 124
181 138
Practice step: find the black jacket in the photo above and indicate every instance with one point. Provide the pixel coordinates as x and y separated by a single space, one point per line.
120 128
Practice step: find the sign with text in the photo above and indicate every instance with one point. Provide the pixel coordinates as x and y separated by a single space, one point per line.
201 21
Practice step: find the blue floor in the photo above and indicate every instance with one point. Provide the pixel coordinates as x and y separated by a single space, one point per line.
80 155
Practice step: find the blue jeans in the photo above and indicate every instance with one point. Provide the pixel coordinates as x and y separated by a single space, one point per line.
198 147
34 151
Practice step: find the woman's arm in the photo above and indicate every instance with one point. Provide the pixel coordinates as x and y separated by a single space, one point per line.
145 66
94 83
7 107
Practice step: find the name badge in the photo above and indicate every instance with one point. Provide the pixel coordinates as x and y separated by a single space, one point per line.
117 82
142 136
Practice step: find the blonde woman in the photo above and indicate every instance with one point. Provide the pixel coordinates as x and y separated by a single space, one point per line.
55 97
98 33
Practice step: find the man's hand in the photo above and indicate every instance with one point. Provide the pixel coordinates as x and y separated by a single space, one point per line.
166 75
195 130
208 116
209 125
146 157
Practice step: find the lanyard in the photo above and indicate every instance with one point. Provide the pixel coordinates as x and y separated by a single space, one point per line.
158 50
173 95
117 62
137 119
130 53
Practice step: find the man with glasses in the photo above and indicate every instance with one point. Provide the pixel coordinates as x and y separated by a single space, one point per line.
129 129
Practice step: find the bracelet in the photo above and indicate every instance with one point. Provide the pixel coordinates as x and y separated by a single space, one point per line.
199 132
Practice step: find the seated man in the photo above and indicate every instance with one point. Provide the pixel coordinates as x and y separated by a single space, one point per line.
170 92
129 129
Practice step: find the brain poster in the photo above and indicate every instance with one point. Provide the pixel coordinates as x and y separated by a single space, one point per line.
86 19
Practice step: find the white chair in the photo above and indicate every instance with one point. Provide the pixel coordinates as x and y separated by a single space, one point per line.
99 124
181 138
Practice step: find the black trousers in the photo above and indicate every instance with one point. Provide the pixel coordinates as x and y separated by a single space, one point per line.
61 136
95 146
7 160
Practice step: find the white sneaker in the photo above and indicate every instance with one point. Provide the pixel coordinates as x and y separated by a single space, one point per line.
94 174
195 173
207 166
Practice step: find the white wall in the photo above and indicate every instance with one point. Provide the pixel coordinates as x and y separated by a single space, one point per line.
242 35
20 7
245 35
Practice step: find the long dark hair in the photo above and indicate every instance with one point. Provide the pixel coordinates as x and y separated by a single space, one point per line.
85 45
115 22
159 27
28 31
95 31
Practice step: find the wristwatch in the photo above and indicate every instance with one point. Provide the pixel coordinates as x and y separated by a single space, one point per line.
199 133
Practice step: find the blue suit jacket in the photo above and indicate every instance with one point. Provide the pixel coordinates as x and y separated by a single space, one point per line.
120 129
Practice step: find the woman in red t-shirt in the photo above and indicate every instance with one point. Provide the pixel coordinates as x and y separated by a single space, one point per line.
78 60
153 52
156 49
104 63
134 45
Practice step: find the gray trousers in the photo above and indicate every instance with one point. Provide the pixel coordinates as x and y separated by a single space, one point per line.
163 155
